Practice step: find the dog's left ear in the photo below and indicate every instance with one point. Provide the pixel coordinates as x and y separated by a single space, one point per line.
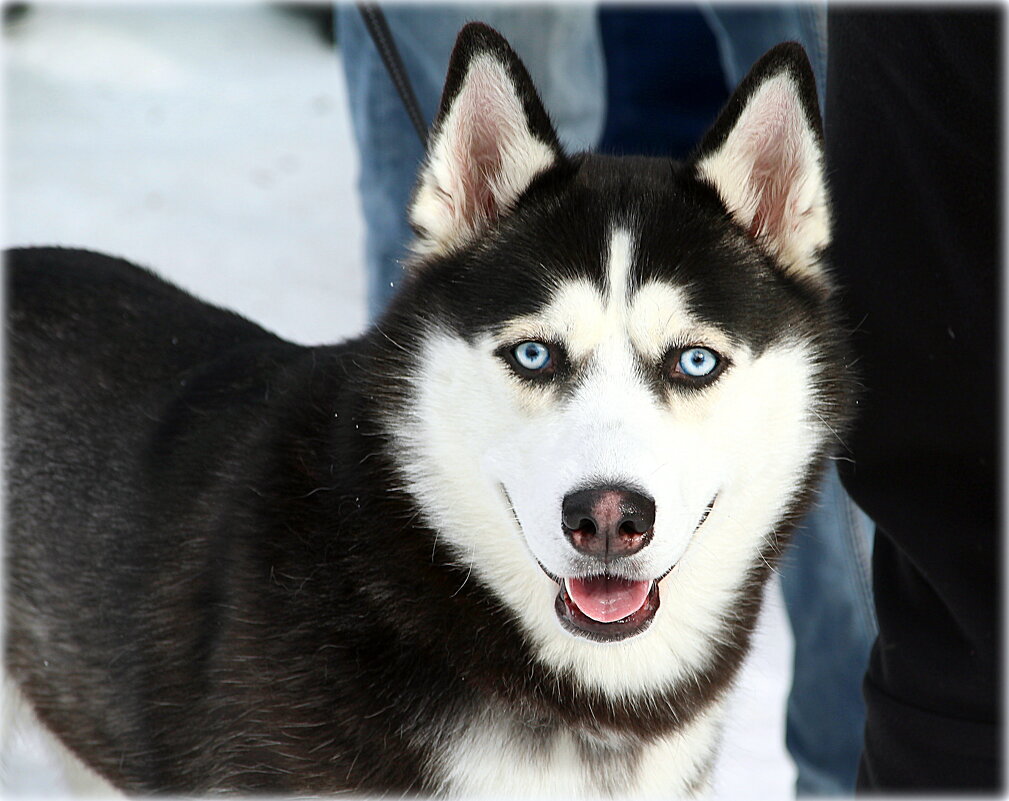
764 157
491 138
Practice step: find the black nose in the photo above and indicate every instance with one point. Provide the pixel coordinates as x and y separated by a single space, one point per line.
608 522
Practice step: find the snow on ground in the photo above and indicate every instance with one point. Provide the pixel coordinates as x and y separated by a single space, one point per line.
208 142
212 144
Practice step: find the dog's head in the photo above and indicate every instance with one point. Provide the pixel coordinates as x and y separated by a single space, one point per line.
620 373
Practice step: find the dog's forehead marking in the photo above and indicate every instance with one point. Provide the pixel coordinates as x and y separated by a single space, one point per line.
618 270
586 316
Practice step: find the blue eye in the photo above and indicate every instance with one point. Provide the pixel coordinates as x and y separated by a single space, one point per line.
532 355
697 362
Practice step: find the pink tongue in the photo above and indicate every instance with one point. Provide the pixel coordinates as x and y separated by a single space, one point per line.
605 598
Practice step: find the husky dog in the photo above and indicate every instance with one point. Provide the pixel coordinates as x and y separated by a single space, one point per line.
510 541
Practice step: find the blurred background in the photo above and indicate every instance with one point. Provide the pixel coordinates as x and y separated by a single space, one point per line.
209 142
212 144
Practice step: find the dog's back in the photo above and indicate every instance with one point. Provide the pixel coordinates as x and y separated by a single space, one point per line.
126 488
212 584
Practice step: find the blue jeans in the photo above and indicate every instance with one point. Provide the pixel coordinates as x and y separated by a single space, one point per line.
826 581
560 47
826 574
745 32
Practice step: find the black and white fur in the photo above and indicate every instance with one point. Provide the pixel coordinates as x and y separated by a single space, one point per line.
234 563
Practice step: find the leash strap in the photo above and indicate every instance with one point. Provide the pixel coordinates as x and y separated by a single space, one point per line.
378 27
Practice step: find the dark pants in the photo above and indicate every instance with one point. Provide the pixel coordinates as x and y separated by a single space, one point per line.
913 149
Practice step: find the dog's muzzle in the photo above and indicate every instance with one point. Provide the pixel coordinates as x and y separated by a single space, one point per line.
606 525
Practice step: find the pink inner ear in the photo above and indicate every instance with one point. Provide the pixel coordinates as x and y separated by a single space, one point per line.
774 147
485 155
488 115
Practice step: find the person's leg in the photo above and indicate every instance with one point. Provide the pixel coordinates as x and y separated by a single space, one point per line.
560 46
825 576
826 582
745 32
913 146
664 79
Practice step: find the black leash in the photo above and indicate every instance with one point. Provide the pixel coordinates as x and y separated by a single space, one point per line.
378 27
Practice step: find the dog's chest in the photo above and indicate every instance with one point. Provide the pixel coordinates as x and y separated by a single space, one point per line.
493 754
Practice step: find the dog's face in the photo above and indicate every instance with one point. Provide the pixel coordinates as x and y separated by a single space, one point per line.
622 375
633 421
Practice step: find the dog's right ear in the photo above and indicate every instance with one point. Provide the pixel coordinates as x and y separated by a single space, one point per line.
764 157
491 138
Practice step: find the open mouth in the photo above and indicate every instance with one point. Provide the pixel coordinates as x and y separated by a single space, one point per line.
606 608
609 608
